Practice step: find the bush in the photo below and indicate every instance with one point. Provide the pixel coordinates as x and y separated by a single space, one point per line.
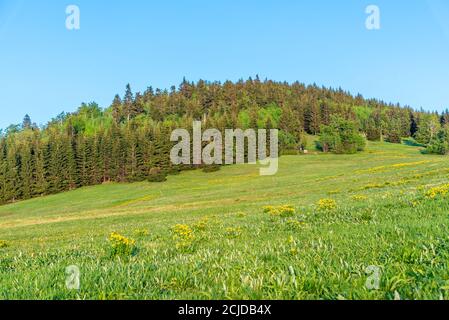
174 171
360 142
341 137
157 175
373 133
440 143
393 137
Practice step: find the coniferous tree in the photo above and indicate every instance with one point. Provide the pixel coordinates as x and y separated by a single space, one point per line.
26 124
117 109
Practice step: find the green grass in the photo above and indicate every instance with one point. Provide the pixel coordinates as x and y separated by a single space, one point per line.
383 218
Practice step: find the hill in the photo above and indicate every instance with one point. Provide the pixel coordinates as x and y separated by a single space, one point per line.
208 236
130 139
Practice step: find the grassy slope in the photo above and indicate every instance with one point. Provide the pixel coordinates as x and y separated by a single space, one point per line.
395 228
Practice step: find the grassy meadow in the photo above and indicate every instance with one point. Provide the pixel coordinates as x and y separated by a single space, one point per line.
215 236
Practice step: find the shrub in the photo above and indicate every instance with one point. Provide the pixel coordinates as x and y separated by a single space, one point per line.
157 175
373 133
341 137
440 143
173 171
393 136
360 142
3 244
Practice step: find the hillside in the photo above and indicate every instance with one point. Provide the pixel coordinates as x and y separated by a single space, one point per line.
125 141
391 212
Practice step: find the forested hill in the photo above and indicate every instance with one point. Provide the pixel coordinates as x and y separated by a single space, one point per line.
123 142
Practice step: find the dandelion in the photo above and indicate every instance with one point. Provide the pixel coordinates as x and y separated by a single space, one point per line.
327 204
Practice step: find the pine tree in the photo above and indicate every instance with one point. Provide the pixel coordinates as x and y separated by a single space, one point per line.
26 124
117 109
26 170
39 186
132 105
3 171
13 183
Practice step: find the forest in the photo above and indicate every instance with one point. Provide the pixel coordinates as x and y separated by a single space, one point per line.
130 140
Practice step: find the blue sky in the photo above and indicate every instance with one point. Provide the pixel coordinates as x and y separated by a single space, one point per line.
46 69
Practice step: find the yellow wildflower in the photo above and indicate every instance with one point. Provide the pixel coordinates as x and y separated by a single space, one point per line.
183 235
438 191
280 211
233 232
121 245
327 204
359 198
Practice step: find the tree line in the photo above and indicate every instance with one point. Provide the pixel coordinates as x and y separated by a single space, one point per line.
129 140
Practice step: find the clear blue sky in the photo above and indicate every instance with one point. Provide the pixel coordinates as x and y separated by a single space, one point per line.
46 69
